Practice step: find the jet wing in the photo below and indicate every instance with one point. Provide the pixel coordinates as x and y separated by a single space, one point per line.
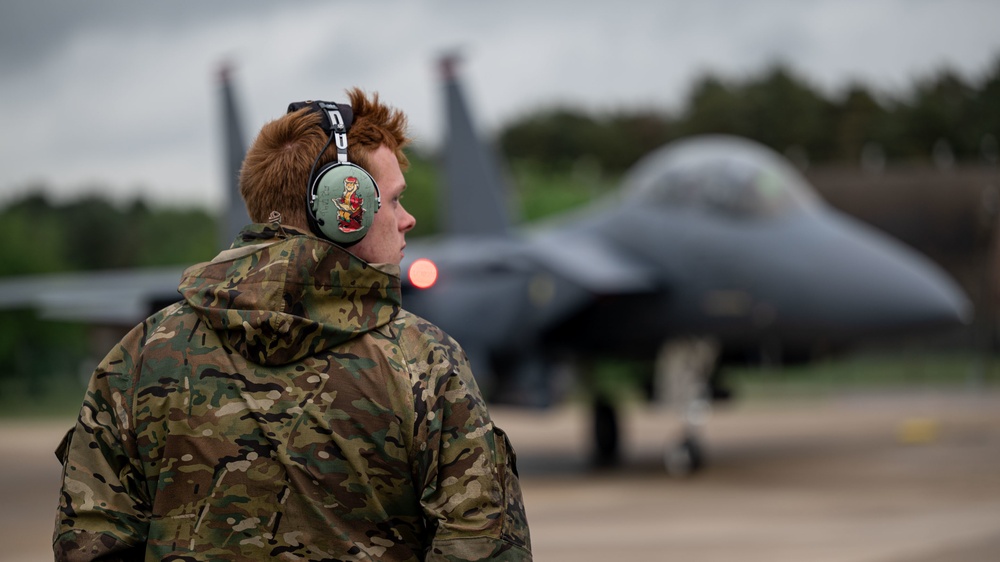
495 291
591 262
585 261
119 297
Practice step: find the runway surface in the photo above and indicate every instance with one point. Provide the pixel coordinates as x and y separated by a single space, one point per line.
905 477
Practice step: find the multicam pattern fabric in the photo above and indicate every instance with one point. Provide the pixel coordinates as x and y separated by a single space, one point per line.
288 408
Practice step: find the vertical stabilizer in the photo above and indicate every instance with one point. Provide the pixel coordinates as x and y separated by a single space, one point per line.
234 213
475 192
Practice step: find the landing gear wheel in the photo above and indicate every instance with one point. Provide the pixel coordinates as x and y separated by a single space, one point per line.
605 433
684 458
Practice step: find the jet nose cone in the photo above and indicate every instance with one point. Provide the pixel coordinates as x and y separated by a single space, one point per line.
888 288
841 280
912 293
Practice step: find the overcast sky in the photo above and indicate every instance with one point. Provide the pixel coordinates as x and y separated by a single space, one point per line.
122 94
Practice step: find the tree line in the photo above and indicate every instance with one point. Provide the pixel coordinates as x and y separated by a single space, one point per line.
39 357
94 233
941 116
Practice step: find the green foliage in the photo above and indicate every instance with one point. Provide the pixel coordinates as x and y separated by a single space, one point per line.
560 139
785 112
939 110
541 192
92 233
557 137
778 109
38 356
713 107
942 113
51 395
421 194
34 351
858 120
173 236
858 373
630 135
868 372
34 241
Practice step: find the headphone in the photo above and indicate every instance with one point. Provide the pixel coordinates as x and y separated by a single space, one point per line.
341 198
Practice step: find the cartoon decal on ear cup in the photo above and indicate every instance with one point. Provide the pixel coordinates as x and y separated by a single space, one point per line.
341 198
343 201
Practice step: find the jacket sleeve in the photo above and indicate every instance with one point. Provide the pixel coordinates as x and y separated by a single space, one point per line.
471 495
103 503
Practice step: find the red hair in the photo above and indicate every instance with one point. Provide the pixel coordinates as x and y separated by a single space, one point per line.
276 169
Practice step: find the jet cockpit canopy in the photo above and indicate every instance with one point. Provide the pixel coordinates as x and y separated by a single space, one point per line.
721 174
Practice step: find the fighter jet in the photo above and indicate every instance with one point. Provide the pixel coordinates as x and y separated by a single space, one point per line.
714 249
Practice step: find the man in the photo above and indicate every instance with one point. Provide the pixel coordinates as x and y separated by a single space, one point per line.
288 408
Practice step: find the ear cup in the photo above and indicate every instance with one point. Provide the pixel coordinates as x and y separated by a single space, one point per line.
344 199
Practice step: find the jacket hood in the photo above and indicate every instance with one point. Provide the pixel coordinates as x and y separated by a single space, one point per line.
278 296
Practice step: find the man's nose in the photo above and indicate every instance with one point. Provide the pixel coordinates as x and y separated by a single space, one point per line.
408 222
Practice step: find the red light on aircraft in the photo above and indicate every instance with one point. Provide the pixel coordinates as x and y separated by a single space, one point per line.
423 273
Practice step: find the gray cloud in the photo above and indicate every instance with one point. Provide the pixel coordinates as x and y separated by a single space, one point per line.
122 93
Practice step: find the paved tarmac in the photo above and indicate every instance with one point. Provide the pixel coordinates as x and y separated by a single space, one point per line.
911 477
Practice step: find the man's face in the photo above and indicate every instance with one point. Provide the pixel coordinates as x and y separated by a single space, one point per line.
385 240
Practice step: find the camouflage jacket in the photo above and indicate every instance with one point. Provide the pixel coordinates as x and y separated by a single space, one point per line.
287 408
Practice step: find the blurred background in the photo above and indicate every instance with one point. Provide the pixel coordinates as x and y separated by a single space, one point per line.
112 157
